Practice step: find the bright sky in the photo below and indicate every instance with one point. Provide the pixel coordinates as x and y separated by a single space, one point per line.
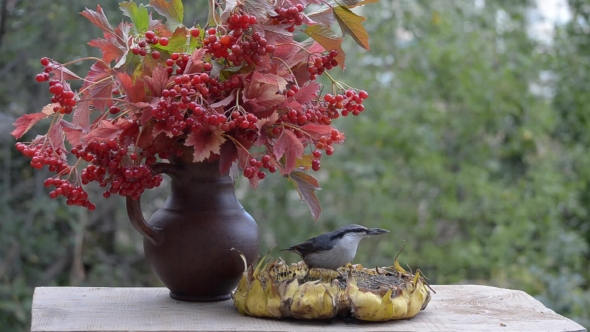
551 12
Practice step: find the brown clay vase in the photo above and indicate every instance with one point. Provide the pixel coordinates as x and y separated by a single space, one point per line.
188 241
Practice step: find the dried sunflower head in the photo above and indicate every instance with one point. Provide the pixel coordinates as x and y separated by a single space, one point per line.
275 289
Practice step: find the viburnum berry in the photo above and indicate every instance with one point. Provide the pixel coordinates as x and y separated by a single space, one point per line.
163 41
195 32
150 34
45 62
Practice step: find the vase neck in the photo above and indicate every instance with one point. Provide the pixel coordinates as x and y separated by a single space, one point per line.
200 186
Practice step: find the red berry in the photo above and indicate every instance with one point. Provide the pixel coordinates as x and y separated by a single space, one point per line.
163 41
45 62
150 34
363 94
195 32
40 77
155 55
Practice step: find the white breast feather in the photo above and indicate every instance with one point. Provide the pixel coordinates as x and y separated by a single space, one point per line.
341 254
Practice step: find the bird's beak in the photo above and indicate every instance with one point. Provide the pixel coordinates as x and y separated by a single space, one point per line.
376 231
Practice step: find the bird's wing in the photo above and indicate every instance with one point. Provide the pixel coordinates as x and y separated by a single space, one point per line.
310 246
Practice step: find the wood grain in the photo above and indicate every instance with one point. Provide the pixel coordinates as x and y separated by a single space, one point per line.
452 308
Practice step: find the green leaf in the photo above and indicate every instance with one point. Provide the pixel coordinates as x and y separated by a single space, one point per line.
172 10
328 39
350 23
139 15
306 186
177 42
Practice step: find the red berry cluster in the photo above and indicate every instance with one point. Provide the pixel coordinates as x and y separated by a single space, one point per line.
46 156
244 47
349 102
141 47
322 63
43 157
61 92
177 62
75 194
108 158
254 166
291 15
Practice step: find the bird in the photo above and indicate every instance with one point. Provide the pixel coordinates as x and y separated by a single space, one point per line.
333 249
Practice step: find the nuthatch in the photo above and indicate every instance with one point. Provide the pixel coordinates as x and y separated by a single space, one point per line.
334 249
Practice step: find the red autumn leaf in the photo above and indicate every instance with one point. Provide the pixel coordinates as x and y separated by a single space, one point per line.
262 97
162 128
317 129
81 117
264 124
98 18
291 54
27 121
306 93
135 91
205 143
276 34
72 132
262 78
110 48
262 9
288 145
103 132
129 132
195 62
224 102
158 81
228 154
56 136
306 186
159 28
99 84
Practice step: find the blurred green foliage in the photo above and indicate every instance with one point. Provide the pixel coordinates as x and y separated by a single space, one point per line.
473 149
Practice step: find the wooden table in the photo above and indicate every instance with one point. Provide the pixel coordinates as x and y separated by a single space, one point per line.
453 308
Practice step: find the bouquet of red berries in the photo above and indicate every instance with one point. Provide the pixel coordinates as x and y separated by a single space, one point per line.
240 90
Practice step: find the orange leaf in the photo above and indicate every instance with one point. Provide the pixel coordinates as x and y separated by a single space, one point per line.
350 23
306 186
328 39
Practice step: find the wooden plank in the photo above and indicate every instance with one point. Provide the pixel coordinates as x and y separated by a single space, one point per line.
453 308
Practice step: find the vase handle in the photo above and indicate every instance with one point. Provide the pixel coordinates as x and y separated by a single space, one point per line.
154 235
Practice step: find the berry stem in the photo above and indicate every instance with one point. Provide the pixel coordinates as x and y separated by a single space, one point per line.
84 59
